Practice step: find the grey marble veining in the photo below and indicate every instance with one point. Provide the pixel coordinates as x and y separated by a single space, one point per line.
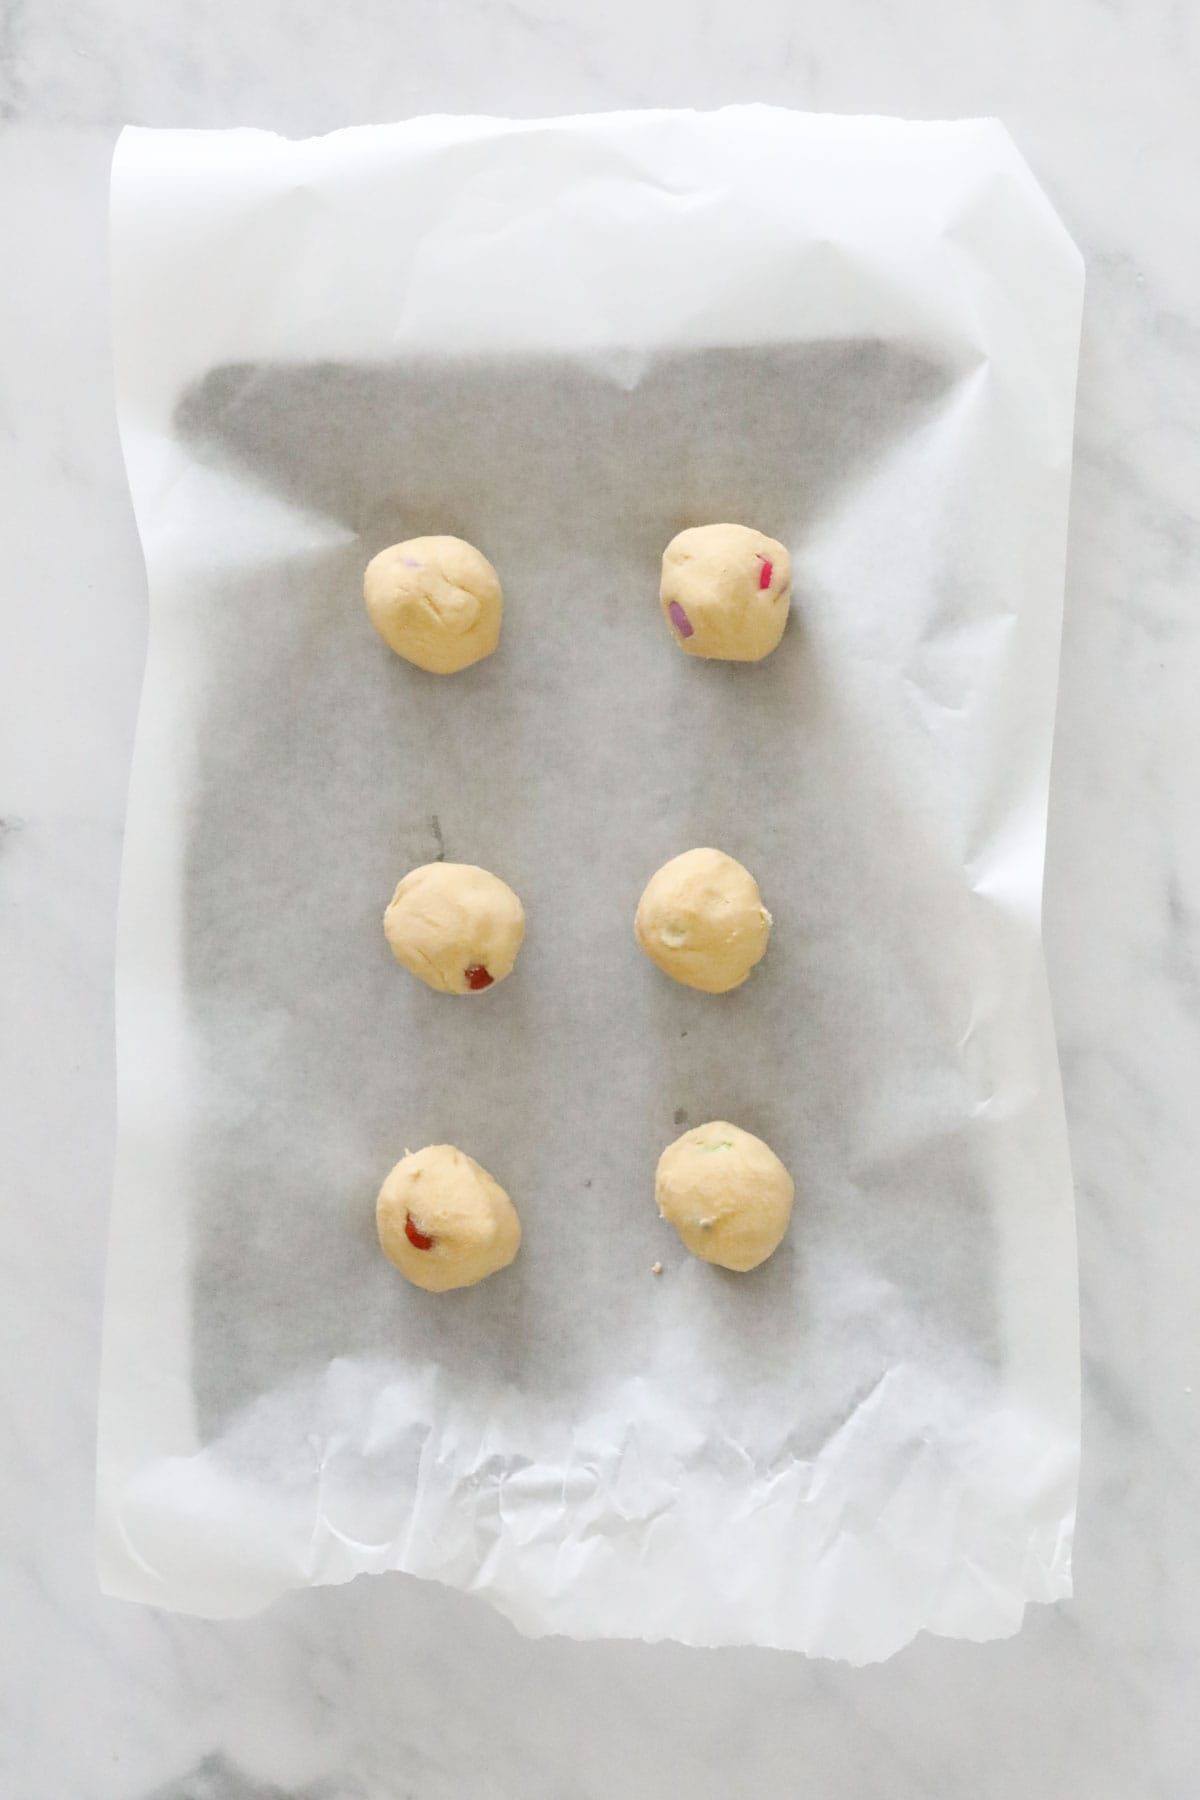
387 1689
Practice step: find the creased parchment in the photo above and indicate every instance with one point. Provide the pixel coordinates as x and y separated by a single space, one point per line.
564 341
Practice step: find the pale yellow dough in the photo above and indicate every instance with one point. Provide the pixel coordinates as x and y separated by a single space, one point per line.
702 920
436 601
458 927
726 1193
713 594
464 1225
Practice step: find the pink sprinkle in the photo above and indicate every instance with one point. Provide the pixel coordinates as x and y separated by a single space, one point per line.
680 620
416 1237
764 580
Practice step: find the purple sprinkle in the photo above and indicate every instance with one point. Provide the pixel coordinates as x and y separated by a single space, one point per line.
409 563
680 620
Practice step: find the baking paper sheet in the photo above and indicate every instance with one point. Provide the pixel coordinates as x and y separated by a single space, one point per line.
564 341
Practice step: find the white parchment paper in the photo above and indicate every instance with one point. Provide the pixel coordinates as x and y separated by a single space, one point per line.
564 341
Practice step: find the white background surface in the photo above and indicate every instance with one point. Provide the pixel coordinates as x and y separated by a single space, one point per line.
389 1689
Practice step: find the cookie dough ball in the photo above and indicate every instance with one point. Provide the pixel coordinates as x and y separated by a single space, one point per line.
444 1221
436 601
725 591
702 920
726 1193
458 927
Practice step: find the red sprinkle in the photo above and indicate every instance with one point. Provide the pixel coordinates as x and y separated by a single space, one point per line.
478 978
680 620
764 580
416 1238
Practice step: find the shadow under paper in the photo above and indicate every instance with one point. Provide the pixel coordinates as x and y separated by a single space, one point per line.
574 762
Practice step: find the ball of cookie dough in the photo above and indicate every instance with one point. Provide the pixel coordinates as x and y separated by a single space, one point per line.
725 591
702 920
726 1193
436 601
444 1221
458 927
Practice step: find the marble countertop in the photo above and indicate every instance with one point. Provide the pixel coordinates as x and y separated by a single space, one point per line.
393 1690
